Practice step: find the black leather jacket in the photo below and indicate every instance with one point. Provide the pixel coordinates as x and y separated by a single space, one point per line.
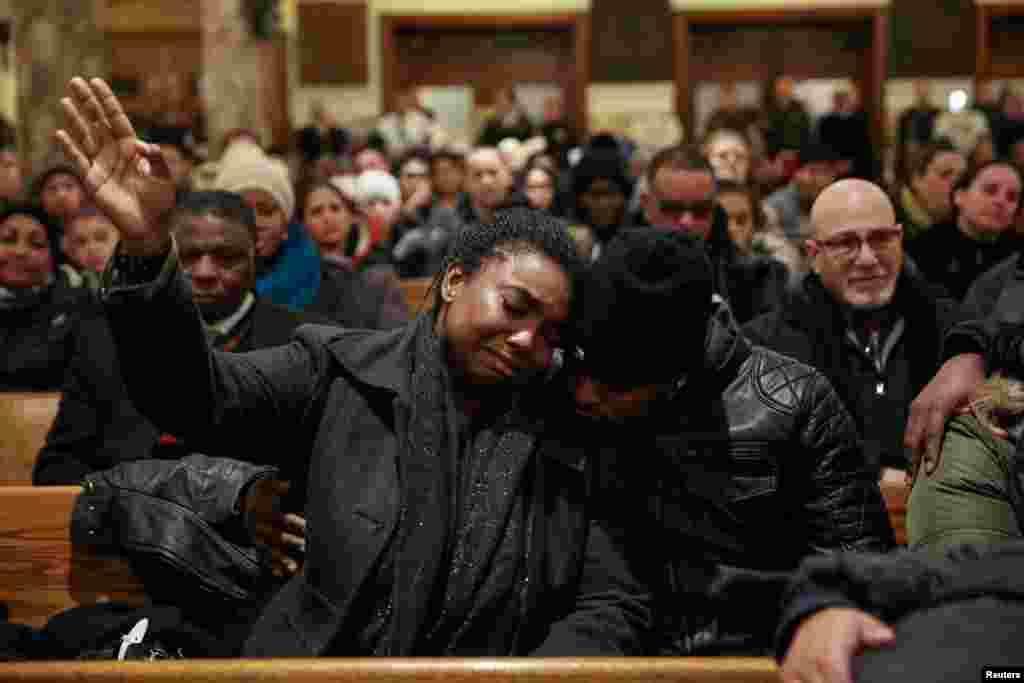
177 518
758 465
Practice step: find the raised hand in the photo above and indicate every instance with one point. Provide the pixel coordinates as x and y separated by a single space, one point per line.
128 179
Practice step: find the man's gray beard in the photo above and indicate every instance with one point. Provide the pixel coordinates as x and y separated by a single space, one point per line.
872 308
868 308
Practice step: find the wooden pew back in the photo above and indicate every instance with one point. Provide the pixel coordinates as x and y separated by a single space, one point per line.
25 420
895 492
415 292
451 670
41 573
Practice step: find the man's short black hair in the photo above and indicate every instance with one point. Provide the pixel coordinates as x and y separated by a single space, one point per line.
227 206
928 154
448 153
680 157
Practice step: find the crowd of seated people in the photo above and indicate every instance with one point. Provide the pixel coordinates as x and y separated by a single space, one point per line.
733 338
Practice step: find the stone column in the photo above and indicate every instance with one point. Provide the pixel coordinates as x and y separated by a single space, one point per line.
234 77
54 40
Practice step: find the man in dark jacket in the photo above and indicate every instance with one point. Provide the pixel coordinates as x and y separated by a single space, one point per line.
864 317
97 425
939 618
750 462
488 187
681 195
910 615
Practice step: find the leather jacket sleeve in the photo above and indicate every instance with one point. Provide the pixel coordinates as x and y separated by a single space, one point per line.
844 508
181 514
208 487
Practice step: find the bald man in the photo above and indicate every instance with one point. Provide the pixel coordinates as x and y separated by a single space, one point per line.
863 316
488 187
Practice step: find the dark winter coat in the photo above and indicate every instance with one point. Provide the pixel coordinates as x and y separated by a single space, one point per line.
810 326
36 341
949 258
757 466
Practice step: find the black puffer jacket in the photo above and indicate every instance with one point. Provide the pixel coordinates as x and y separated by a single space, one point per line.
758 467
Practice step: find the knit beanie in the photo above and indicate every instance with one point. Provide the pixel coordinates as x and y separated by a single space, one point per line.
644 278
346 184
241 150
601 163
372 185
252 172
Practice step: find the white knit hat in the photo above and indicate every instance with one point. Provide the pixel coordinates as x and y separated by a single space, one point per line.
258 173
239 151
346 184
377 185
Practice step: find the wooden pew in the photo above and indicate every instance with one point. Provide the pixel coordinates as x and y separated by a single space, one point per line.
41 572
25 419
562 670
895 491
415 292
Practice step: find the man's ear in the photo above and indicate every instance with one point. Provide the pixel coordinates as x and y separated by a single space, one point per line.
64 243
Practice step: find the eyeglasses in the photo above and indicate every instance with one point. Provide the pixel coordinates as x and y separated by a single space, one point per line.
847 247
700 210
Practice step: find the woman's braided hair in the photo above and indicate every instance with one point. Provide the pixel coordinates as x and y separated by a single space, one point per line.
516 230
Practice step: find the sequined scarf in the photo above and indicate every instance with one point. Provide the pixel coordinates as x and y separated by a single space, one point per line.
462 537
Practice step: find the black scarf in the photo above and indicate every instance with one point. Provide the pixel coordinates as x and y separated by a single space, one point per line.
14 300
462 535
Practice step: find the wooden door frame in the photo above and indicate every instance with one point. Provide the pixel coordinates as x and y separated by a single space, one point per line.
878 18
983 16
578 23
